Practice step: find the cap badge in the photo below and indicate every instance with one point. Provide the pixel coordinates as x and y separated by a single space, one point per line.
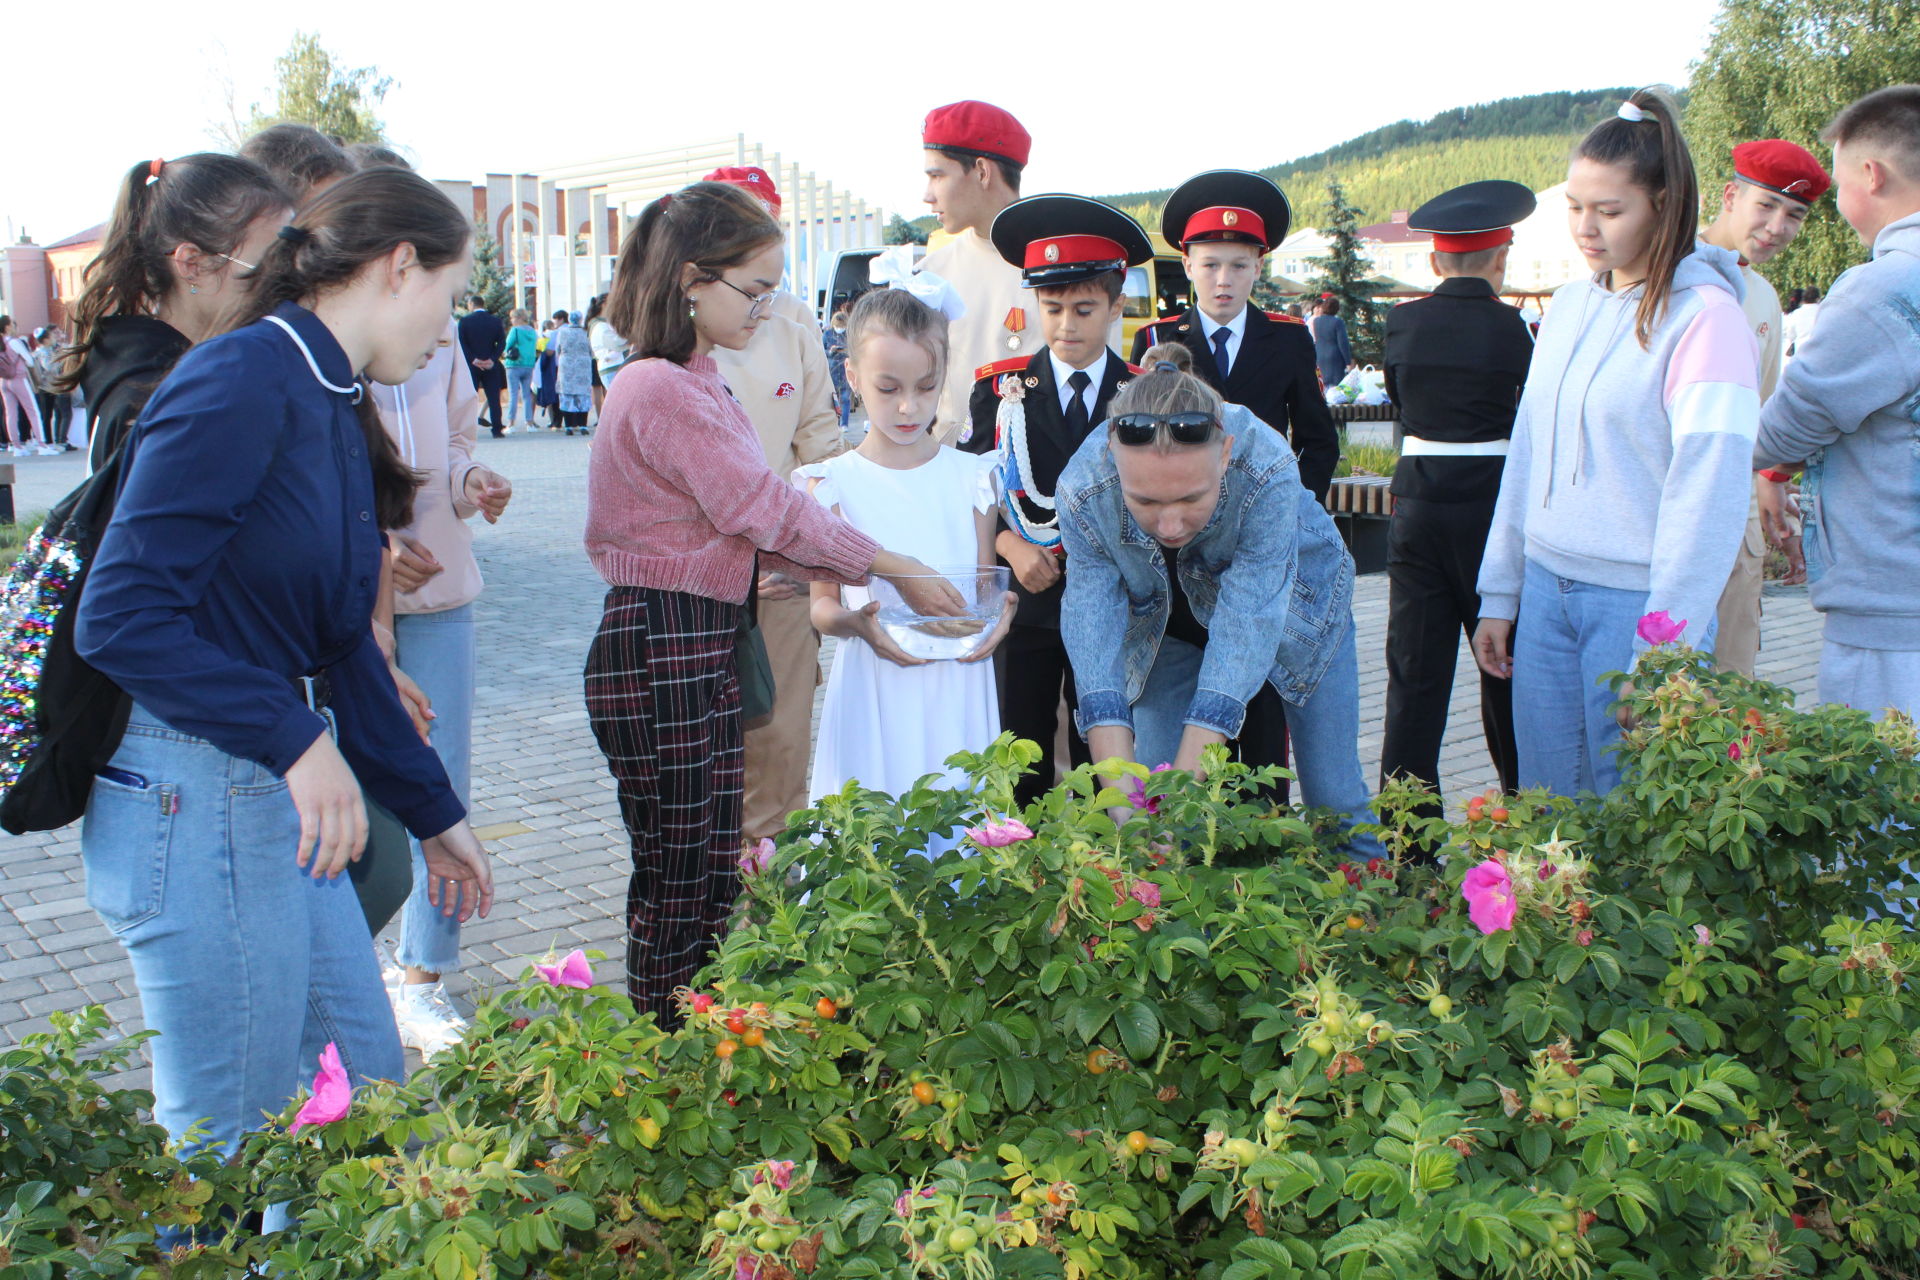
784 390
1033 382
1230 218
1052 253
1798 185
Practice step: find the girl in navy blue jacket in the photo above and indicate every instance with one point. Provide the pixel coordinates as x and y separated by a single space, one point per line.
231 599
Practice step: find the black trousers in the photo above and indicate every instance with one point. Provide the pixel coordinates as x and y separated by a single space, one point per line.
1433 567
1034 675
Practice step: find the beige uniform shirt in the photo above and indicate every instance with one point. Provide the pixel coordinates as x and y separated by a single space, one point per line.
1762 306
795 308
991 288
781 380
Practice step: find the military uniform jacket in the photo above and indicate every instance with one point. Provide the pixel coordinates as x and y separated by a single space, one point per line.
1274 375
1049 444
1456 363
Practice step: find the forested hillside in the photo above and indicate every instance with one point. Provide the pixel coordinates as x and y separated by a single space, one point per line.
1401 165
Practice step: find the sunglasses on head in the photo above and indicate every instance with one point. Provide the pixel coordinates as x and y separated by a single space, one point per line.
1187 428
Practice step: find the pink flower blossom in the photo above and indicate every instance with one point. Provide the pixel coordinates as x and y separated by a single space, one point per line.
332 1095
757 859
1657 628
746 1268
1488 890
1584 937
781 1172
1703 935
1733 751
1137 797
998 835
904 1205
571 972
1145 892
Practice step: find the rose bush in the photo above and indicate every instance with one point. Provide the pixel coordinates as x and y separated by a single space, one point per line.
1666 1033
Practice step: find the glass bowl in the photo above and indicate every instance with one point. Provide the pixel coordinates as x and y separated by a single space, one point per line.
938 638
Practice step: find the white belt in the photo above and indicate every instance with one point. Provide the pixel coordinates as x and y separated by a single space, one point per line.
1415 447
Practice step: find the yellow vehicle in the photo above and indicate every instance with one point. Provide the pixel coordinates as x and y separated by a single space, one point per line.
1155 289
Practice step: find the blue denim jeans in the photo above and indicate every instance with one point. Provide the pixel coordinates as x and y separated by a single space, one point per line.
1568 637
519 392
247 967
437 650
1325 730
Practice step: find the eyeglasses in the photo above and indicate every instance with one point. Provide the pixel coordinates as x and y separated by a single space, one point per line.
762 302
1186 428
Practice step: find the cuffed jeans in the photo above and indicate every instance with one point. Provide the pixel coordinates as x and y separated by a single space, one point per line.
1325 730
519 392
247 966
437 651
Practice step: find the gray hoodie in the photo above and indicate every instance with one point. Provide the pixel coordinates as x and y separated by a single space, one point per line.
1849 407
1631 467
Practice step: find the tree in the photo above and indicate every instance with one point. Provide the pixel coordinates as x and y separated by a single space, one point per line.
491 280
900 231
313 89
1784 69
1343 273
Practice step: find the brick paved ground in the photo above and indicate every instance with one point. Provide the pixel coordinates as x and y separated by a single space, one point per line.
541 797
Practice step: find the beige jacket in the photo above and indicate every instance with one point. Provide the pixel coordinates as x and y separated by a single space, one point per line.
781 380
1002 319
432 420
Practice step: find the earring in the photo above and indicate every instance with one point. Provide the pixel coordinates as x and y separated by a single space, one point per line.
690 309
396 295
193 288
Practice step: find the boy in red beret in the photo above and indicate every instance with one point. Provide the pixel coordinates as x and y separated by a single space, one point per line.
1762 208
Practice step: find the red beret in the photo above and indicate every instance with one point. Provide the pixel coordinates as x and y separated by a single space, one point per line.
978 127
1779 165
753 178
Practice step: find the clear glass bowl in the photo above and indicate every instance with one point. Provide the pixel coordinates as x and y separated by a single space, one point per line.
936 638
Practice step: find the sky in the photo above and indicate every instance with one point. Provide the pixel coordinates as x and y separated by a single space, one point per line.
482 88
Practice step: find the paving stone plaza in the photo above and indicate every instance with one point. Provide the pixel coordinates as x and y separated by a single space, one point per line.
542 798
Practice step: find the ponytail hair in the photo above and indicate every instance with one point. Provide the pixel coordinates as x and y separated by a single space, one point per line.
1655 156
351 225
714 225
206 200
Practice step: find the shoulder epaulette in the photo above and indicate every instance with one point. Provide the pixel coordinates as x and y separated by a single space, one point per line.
1283 317
1012 364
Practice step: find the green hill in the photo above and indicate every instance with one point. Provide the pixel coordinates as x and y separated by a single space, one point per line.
1403 164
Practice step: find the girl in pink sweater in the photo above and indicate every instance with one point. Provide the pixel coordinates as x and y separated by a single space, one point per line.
680 502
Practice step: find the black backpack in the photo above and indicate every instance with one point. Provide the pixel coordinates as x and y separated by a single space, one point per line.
60 719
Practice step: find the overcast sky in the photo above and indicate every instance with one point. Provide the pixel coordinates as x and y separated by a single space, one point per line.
1119 95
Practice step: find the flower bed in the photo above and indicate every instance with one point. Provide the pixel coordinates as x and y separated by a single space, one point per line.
1660 1035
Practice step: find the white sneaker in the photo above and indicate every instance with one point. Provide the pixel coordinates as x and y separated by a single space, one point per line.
427 1019
17 451
47 449
391 974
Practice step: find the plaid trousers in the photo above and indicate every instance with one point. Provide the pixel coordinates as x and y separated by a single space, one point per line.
664 702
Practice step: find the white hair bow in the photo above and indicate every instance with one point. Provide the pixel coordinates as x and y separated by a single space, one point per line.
893 269
1628 111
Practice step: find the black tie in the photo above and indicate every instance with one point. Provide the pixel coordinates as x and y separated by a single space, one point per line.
1078 423
1220 337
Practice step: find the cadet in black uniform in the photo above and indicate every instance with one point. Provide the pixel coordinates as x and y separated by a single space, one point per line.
1455 365
1073 253
1225 221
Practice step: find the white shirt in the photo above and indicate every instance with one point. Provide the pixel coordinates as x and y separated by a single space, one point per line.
1236 329
1062 371
1799 324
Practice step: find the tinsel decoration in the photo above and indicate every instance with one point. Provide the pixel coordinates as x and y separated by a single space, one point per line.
36 589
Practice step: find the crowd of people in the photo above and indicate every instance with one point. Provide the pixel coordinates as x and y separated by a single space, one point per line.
275 633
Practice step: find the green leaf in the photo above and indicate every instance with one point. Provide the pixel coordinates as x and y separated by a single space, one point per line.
1139 1029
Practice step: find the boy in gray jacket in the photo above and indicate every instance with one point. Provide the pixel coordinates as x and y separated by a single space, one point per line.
1849 408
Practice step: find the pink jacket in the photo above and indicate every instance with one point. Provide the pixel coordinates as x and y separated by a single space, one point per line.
432 418
679 494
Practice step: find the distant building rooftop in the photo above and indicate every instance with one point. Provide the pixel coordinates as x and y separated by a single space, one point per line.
89 236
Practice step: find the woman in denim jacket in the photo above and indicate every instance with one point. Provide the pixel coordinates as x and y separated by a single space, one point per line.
1256 611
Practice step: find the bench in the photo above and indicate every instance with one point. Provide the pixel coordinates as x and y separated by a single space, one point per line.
1360 506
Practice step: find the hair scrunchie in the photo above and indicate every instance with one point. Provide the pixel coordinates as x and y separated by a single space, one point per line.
154 168
1629 111
295 235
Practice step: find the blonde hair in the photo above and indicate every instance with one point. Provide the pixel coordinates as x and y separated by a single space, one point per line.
897 312
1167 391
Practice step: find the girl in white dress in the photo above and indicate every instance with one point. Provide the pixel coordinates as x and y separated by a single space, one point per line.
890 718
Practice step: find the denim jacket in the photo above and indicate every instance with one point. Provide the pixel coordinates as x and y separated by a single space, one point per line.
1268 577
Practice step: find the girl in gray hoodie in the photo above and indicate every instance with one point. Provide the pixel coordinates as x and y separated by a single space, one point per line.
1625 494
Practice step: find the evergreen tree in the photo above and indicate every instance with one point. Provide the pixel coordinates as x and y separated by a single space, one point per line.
312 89
1343 273
900 231
1784 69
492 279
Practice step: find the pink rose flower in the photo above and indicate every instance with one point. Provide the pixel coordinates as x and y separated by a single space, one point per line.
1137 797
1584 937
1488 890
747 1268
1145 892
1703 935
757 859
332 1095
998 835
571 972
781 1172
1733 751
1657 628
